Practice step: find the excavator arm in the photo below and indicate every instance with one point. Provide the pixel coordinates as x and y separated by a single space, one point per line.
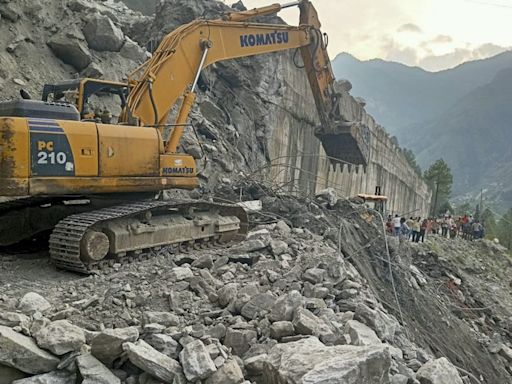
174 69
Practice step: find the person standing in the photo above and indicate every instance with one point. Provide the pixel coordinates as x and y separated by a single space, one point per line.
416 227
423 229
397 223
403 231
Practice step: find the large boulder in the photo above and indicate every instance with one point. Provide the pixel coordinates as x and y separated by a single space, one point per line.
229 373
438 371
239 340
309 361
56 377
196 361
153 362
361 334
285 306
108 345
60 337
261 303
21 352
71 51
164 343
94 372
33 302
102 35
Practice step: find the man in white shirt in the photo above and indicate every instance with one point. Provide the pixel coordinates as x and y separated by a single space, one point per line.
397 224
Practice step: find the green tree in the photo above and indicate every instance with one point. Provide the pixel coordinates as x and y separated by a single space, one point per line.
488 220
504 229
411 159
439 178
463 209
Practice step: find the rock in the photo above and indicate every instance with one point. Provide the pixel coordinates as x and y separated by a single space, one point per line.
102 35
248 246
71 51
13 319
21 352
19 82
204 261
9 12
281 329
94 372
32 302
181 273
167 319
285 306
238 340
165 344
60 337
506 352
361 334
305 322
196 361
56 377
93 71
438 371
227 294
9 374
310 361
283 228
384 325
131 50
278 247
314 275
229 373
107 346
262 302
399 379
153 362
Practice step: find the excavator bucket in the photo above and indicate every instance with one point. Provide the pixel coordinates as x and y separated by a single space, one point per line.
346 142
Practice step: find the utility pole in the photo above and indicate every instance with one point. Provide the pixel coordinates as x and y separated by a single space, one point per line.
435 199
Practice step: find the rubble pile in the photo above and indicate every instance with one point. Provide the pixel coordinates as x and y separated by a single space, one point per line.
285 306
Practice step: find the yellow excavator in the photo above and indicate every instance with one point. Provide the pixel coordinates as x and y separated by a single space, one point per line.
54 156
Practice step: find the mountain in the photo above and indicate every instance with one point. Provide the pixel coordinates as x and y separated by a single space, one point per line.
473 136
399 96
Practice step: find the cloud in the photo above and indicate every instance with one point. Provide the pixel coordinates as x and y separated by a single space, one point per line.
409 28
441 39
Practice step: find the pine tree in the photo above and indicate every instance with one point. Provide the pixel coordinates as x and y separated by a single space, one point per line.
440 180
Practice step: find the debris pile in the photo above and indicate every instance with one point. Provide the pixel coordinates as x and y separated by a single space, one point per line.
285 306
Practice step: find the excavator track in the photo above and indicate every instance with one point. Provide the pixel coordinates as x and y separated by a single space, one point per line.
66 248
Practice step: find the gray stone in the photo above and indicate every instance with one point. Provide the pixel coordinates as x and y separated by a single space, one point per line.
248 246
384 325
181 273
361 334
204 261
92 71
283 228
167 319
285 306
305 322
438 371
102 35
9 12
56 377
196 361
256 364
131 50
32 302
21 352
262 302
227 294
239 339
107 346
9 374
281 329
71 51
278 247
399 379
309 361
229 373
314 275
165 344
60 337
151 361
13 319
94 372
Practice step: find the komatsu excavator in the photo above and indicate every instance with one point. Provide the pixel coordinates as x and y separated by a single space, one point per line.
53 157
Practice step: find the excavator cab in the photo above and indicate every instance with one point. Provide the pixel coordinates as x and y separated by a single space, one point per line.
80 91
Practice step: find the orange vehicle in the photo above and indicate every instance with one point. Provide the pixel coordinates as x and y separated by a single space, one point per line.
54 156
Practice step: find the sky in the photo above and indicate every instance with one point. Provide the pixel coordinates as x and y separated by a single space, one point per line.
432 34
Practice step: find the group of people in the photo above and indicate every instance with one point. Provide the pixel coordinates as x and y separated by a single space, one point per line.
415 228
